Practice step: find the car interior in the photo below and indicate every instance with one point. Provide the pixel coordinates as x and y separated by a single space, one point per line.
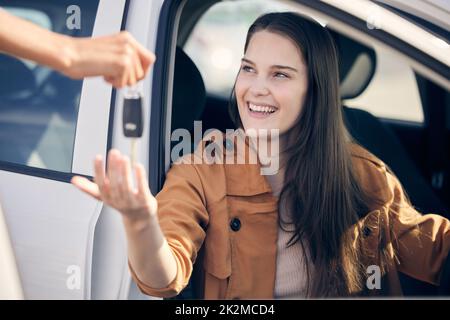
413 152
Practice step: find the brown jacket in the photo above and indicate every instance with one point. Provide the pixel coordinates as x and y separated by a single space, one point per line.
229 212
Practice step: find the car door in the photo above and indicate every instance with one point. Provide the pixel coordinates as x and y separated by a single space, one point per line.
51 127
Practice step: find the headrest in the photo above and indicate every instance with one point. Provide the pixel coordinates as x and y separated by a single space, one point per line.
189 94
357 64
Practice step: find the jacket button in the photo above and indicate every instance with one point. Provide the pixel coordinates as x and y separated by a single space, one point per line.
366 231
235 224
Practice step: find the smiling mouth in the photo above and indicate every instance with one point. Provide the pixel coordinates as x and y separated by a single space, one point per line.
261 110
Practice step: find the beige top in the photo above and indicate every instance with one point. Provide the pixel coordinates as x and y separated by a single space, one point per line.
290 277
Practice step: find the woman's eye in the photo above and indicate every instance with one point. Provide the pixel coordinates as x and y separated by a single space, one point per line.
281 75
247 68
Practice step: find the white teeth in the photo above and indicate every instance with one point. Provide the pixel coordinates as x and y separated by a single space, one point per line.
266 109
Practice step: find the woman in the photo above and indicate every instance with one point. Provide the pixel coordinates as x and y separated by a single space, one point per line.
332 213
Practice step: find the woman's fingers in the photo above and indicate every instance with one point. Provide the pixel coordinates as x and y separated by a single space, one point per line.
141 179
143 189
115 186
127 185
86 186
117 189
99 173
114 174
119 174
101 179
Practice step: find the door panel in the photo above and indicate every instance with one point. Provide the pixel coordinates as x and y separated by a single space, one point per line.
51 227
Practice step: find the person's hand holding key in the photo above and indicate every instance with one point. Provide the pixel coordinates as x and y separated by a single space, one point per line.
119 58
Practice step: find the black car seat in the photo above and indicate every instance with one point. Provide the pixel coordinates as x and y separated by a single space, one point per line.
189 95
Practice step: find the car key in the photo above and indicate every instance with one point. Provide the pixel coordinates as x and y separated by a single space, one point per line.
132 118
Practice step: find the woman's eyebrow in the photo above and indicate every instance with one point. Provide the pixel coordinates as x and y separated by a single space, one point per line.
248 61
284 67
277 66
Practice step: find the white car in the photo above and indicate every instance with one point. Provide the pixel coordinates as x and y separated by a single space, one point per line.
395 72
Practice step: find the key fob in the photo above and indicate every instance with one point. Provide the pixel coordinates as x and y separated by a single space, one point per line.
132 116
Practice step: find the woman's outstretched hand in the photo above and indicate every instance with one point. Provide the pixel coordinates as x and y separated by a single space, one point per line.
115 187
149 253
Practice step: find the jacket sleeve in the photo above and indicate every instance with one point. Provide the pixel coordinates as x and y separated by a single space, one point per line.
183 219
421 242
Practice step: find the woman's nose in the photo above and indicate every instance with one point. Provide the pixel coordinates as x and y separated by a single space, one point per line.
259 87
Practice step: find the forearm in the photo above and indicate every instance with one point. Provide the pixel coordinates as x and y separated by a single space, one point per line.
149 253
23 39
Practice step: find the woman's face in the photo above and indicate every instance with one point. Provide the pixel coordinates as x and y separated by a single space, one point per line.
272 83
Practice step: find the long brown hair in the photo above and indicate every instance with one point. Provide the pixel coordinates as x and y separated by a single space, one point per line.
320 187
